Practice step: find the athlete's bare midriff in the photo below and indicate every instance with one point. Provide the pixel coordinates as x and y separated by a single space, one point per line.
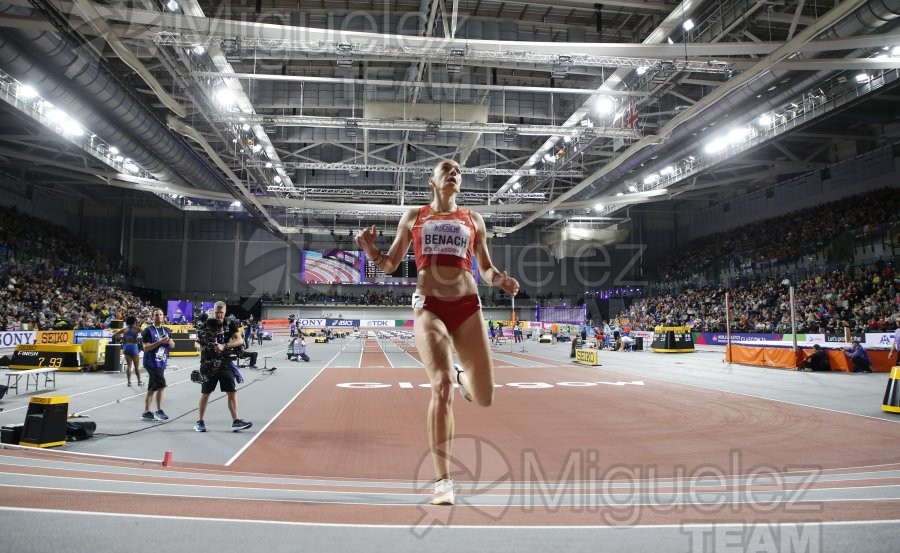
445 282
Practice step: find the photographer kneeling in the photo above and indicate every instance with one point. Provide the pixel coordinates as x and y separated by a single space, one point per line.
220 344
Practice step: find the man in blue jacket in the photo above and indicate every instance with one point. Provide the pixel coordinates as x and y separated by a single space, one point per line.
859 358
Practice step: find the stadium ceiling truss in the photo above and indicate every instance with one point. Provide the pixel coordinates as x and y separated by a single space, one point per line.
557 110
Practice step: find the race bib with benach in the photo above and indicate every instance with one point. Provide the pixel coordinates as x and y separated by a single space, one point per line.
446 237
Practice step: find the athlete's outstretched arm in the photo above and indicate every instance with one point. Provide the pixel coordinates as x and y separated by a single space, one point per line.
388 262
488 271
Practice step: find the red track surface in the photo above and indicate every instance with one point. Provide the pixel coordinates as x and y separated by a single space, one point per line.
592 429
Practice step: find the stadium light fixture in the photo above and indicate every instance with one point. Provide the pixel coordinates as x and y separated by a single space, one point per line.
26 92
604 105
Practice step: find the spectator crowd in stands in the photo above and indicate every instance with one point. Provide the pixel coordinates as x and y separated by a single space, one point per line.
826 303
784 238
50 280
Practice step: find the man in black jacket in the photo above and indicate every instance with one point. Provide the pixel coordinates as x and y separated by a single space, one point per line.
816 361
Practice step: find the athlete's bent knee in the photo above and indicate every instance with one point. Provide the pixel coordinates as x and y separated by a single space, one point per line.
487 400
442 391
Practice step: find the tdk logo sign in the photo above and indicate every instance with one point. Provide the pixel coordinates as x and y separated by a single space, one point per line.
372 323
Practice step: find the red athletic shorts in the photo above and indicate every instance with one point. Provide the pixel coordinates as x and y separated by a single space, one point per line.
452 312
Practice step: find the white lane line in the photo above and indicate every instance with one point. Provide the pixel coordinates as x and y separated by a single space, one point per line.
280 411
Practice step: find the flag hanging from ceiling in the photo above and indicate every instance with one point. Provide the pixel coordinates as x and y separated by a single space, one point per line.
631 115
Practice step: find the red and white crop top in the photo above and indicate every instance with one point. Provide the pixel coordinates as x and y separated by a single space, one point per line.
444 238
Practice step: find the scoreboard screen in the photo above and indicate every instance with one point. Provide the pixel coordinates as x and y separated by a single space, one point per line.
406 270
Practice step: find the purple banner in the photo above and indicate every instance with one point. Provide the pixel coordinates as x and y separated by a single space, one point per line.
180 312
721 339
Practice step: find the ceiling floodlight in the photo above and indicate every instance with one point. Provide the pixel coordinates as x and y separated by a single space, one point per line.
688 24
559 72
26 92
715 146
862 78
225 97
598 207
455 60
604 105
352 128
71 127
765 120
231 48
738 135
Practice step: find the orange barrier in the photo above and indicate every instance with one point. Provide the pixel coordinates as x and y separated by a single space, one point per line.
785 358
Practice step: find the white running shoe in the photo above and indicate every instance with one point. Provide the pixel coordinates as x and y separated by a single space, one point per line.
462 389
443 492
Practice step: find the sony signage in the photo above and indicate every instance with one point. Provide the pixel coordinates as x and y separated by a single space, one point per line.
16 338
349 323
310 322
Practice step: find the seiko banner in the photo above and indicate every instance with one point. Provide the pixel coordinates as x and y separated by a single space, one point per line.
16 338
318 323
369 323
344 323
50 337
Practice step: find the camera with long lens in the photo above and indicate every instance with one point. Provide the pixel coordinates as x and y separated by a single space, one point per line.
210 332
